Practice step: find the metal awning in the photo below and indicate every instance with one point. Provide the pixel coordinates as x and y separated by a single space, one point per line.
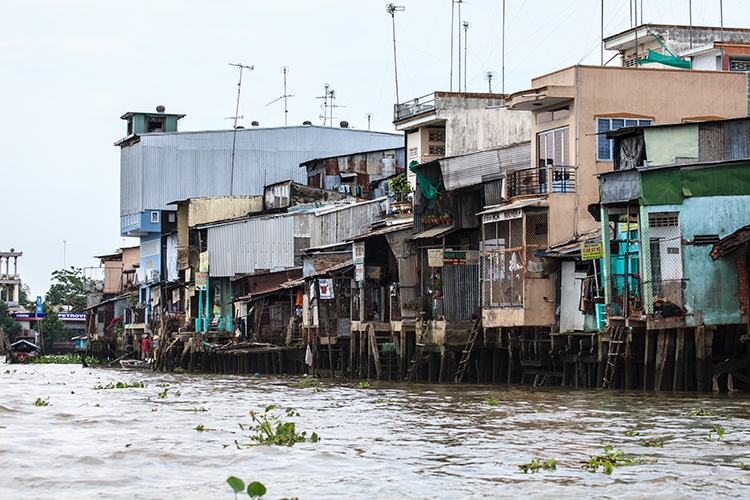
435 232
537 202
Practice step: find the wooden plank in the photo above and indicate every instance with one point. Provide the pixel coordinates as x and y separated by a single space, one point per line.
374 350
678 380
661 360
701 372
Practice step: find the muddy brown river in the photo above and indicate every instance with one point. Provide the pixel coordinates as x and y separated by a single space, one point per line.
387 441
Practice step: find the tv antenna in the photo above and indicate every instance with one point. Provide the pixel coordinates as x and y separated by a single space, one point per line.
329 95
285 70
240 66
489 76
369 117
466 26
392 9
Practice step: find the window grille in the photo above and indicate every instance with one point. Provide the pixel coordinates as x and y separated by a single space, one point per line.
605 146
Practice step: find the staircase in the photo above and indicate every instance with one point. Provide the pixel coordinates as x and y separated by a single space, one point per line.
616 343
384 353
463 365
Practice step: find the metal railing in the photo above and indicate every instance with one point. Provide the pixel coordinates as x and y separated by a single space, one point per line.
541 180
414 107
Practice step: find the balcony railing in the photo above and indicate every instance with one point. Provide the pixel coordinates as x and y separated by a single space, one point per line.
541 180
414 107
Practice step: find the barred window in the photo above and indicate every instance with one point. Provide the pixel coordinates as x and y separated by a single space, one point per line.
605 146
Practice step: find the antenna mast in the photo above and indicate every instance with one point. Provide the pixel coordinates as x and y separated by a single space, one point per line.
328 94
236 116
285 70
392 9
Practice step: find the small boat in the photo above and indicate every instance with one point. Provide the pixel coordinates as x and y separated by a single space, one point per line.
135 364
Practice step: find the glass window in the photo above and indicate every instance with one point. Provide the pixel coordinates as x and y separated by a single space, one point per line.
604 146
553 147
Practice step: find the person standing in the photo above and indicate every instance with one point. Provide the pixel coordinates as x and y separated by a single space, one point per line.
145 346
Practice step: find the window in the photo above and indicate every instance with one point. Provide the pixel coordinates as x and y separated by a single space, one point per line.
437 136
604 146
736 64
437 150
552 147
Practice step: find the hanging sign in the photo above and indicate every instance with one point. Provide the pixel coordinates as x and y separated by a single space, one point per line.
358 252
591 251
326 288
203 266
435 257
201 281
624 226
359 272
454 258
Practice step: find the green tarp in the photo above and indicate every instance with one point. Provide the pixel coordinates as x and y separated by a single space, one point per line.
428 190
669 186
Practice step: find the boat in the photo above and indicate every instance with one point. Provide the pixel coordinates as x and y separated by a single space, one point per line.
135 364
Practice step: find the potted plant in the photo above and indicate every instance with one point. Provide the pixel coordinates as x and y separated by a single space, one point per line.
400 187
437 288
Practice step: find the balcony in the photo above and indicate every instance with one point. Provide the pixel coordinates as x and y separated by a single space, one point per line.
414 107
536 181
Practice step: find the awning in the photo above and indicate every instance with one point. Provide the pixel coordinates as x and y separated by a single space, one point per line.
435 232
537 202
383 230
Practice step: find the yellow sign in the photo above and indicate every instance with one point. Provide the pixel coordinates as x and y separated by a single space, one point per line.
624 226
591 251
435 257
201 281
203 266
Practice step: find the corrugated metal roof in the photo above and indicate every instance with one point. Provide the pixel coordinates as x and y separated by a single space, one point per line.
261 284
382 230
513 206
435 232
468 170
163 167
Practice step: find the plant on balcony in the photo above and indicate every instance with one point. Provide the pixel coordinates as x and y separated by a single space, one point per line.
400 187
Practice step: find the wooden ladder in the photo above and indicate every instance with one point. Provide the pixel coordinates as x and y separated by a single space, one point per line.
463 365
418 352
616 342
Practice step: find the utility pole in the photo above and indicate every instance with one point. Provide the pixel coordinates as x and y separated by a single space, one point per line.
466 47
392 9
236 116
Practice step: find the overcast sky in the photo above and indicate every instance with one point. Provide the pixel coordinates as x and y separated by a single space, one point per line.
69 69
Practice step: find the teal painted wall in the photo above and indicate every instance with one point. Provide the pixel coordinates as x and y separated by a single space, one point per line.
711 286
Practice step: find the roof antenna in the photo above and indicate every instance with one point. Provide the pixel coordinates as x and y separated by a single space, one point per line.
236 116
285 70
489 76
329 94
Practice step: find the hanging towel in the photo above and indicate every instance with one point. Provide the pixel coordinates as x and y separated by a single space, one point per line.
308 356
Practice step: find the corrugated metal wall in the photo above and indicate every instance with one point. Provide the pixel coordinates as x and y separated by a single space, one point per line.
468 170
246 246
339 225
164 167
460 292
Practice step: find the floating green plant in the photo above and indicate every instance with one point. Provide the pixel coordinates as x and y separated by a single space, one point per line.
162 385
163 394
700 413
254 489
541 409
653 444
535 465
200 428
719 433
309 382
491 401
632 433
613 458
119 385
364 384
41 402
271 430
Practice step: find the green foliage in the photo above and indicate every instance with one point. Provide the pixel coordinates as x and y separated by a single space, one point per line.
200 428
612 458
535 465
163 394
364 384
52 327
119 385
309 382
653 444
10 326
399 185
57 359
719 433
41 402
700 413
541 409
632 433
491 401
271 430
254 489
67 289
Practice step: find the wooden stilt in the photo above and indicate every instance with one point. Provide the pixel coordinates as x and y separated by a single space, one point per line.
679 361
702 375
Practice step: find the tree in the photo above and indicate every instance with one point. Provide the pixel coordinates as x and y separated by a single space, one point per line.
52 327
10 326
67 289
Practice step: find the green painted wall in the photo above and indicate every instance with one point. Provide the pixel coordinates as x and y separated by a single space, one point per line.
670 185
710 286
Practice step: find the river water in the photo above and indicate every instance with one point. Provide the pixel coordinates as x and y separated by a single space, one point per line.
384 441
